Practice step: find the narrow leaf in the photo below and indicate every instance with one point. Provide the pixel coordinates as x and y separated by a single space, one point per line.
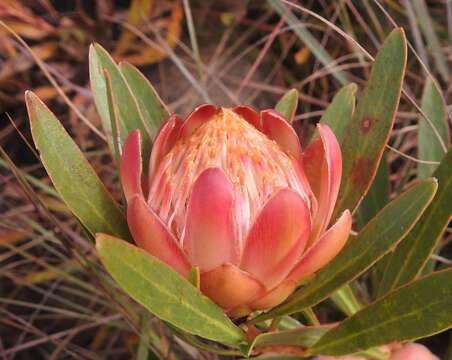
303 337
114 117
287 105
419 309
337 116
339 113
346 300
144 345
130 117
377 196
377 238
299 340
151 106
428 28
368 131
72 175
174 299
406 262
429 147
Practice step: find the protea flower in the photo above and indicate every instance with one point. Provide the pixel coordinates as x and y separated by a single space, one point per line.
231 192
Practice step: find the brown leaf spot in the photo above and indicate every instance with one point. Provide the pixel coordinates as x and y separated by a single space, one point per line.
360 171
367 123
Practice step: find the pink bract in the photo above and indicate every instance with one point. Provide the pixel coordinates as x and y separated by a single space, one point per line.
231 191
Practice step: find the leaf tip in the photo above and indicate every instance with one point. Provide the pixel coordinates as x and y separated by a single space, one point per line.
95 45
95 49
92 50
398 31
292 92
352 87
31 101
401 30
101 238
434 181
123 64
101 51
397 38
29 96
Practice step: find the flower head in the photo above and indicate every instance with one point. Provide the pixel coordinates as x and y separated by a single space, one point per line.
231 192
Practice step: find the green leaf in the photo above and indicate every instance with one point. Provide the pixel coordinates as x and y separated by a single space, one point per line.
367 132
174 300
72 175
195 277
377 238
287 105
303 337
429 147
339 113
130 117
419 309
406 262
346 300
337 116
307 38
287 323
377 196
151 106
210 347
299 339
114 118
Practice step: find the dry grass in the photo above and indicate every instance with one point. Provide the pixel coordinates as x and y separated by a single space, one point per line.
55 301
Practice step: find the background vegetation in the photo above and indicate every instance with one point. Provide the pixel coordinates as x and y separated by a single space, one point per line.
55 305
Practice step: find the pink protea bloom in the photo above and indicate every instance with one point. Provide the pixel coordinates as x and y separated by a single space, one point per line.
231 192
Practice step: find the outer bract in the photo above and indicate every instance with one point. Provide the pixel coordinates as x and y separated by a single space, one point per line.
231 192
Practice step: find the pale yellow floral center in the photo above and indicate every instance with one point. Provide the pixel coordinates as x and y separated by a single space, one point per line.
254 164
